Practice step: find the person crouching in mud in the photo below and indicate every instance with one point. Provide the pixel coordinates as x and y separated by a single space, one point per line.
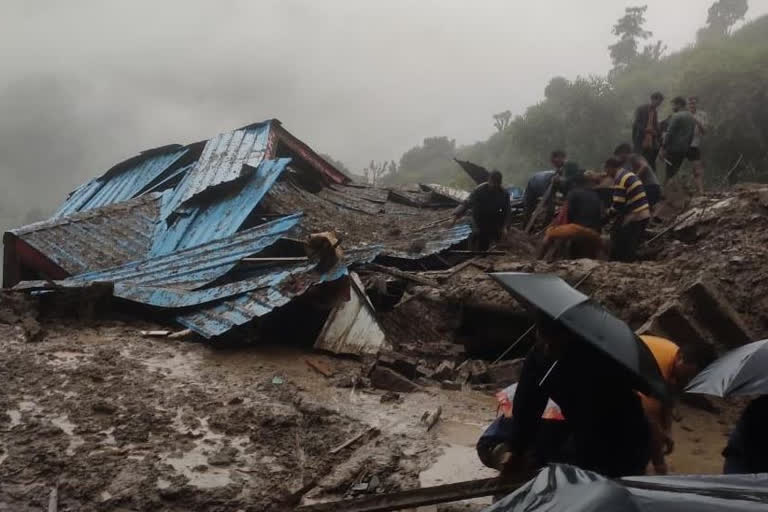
609 432
489 203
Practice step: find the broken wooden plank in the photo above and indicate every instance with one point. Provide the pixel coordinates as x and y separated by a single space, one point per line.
53 499
353 440
402 274
477 253
155 334
422 497
319 367
287 259
180 334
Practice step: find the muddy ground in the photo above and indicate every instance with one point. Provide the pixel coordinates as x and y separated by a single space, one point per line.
119 422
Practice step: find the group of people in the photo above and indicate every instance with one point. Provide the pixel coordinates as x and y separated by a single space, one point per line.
674 140
623 195
605 426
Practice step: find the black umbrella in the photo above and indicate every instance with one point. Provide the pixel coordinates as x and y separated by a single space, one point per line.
590 322
479 174
743 371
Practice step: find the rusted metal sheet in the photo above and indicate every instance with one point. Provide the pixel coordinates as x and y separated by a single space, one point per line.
351 327
352 199
96 239
284 143
451 194
219 218
124 181
225 158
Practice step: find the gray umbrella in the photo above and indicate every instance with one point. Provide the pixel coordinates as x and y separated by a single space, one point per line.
590 322
743 371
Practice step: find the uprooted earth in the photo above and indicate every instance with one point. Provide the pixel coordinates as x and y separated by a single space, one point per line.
109 412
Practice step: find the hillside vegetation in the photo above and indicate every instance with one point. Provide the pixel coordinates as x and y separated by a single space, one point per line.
589 116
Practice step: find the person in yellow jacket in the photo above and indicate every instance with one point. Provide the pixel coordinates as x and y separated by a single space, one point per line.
678 366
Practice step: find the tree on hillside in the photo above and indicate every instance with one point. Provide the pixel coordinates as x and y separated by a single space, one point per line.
630 31
556 88
724 14
376 171
501 120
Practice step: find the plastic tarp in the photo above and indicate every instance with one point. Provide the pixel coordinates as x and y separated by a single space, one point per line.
566 488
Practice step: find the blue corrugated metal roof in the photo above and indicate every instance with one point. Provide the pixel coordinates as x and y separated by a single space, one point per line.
99 238
222 217
221 316
193 267
276 289
119 184
225 158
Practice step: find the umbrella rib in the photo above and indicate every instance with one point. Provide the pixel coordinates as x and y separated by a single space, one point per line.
532 327
541 382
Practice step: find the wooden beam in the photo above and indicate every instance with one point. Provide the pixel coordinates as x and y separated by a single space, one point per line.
403 275
422 497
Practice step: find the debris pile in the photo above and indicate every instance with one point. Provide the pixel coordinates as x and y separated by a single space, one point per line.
252 240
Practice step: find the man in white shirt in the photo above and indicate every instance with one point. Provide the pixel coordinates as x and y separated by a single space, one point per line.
694 153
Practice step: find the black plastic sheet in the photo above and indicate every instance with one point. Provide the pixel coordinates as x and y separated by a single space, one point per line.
567 488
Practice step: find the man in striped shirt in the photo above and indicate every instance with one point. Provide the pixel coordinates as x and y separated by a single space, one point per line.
630 205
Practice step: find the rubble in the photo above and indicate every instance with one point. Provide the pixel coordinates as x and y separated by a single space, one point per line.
389 380
397 294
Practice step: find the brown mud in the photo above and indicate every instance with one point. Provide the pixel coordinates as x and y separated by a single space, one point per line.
118 422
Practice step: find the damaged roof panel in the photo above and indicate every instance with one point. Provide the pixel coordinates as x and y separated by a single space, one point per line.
122 182
196 266
221 218
351 327
452 194
225 158
97 239
278 287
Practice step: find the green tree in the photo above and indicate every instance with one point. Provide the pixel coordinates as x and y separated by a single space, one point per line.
724 14
629 29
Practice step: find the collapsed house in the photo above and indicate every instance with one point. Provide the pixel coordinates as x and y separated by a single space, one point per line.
212 234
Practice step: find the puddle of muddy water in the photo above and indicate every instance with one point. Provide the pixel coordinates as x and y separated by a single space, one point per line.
459 461
209 442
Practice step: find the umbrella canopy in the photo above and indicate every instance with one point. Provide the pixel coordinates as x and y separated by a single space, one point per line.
743 371
590 322
505 399
479 174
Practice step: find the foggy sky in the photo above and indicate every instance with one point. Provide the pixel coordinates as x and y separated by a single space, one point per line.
87 83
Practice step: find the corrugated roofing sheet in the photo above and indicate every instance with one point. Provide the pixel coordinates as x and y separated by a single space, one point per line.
454 194
196 266
221 217
269 289
225 158
120 184
97 239
368 201
275 288
351 327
